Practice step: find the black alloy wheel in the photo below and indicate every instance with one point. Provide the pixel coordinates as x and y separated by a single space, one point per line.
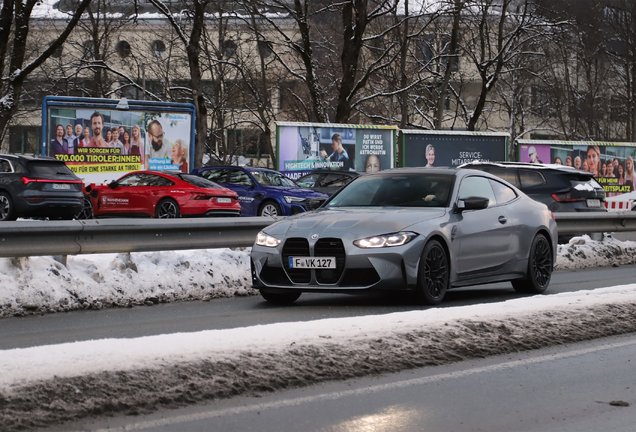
7 212
168 209
539 268
433 275
87 209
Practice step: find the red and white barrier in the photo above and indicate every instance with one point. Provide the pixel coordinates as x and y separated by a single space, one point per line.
619 205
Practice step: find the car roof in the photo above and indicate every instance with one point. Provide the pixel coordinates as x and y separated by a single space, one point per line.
28 157
528 165
330 171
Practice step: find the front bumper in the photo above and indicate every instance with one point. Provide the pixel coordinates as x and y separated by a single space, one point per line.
392 268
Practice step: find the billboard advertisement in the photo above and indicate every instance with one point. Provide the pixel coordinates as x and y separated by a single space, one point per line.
434 148
302 147
611 163
102 139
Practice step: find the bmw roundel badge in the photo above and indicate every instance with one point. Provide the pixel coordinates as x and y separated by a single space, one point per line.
314 236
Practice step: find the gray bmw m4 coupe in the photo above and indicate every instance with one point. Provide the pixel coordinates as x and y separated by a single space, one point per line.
419 229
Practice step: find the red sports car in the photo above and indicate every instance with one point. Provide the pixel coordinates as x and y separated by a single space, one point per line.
160 194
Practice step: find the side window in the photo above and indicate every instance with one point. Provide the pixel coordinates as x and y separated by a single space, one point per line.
477 187
5 166
503 193
238 177
215 175
155 180
509 175
131 180
309 181
332 180
531 178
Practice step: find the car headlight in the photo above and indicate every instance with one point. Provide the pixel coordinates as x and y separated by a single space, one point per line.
386 240
293 199
266 240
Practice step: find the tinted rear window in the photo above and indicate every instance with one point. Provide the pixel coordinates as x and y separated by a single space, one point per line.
199 181
531 178
49 168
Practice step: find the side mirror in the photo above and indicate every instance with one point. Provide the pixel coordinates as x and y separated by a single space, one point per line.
113 184
472 203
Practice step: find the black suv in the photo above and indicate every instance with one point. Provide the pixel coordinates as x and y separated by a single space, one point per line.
561 188
326 181
32 186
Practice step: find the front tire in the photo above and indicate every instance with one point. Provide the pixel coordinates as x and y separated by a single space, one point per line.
167 209
270 208
433 275
539 268
7 211
280 298
87 209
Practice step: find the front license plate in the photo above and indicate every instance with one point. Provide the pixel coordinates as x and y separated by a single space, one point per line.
312 262
593 203
59 186
224 200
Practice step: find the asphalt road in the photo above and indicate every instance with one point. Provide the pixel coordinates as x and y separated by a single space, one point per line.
30 331
585 387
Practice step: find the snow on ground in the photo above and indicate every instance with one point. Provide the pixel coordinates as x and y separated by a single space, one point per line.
40 284
47 385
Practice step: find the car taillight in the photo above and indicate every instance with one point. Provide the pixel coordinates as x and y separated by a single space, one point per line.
200 196
552 214
27 180
566 197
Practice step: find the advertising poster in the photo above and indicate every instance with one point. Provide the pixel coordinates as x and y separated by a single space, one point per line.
451 148
101 143
611 163
303 147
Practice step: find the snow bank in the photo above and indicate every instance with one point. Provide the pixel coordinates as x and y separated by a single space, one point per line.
45 385
40 284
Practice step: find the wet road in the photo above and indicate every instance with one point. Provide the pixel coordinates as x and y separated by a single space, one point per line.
248 311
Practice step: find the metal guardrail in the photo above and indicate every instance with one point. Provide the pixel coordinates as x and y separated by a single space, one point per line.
33 238
576 223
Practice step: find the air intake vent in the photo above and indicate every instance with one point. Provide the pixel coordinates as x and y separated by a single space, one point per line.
330 247
296 247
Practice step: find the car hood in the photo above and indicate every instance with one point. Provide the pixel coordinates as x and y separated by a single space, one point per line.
294 191
339 222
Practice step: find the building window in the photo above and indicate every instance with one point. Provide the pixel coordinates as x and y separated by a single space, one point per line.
89 49
24 139
265 48
229 48
58 51
159 48
123 49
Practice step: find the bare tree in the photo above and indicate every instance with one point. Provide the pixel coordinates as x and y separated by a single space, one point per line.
15 19
195 15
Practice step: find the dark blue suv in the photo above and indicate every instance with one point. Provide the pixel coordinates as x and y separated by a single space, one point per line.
263 192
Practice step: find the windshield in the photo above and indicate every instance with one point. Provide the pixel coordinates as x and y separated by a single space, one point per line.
271 178
396 190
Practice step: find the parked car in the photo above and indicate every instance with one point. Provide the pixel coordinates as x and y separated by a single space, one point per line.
427 230
263 192
561 188
161 194
38 186
326 181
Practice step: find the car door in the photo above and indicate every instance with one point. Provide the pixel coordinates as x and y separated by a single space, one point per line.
483 235
118 199
245 187
146 193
